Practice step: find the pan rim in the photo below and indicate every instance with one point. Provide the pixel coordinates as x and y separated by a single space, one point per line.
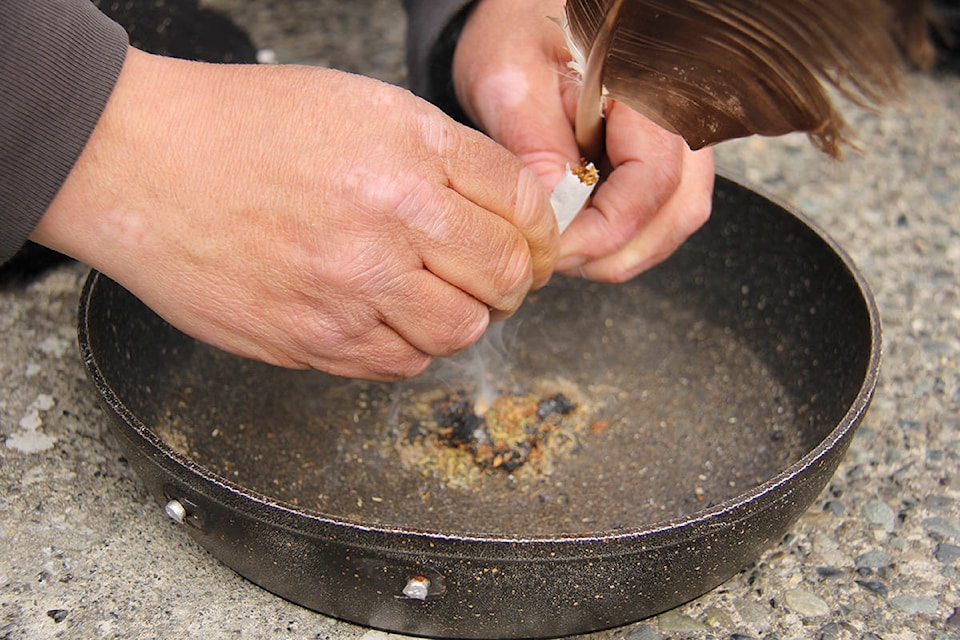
723 514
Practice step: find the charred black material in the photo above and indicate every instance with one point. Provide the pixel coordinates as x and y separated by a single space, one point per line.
459 422
556 405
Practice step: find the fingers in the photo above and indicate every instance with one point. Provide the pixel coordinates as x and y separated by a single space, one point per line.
379 354
648 165
509 77
431 315
491 180
361 242
520 108
658 193
685 212
403 322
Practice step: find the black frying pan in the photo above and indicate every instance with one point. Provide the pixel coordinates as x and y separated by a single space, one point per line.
719 392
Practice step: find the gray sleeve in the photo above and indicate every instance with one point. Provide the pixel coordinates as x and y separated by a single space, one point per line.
432 30
59 61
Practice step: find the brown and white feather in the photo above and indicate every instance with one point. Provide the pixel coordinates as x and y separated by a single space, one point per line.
712 70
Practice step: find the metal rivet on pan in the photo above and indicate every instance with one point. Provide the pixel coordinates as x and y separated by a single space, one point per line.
176 511
417 588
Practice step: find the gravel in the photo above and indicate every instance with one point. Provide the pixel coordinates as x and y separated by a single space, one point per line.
88 554
805 603
879 513
947 553
874 559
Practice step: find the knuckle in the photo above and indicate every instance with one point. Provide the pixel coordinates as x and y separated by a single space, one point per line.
621 230
327 335
668 178
436 133
530 201
396 362
513 272
410 365
427 210
463 332
537 217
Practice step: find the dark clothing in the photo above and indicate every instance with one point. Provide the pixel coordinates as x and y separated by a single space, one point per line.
429 53
59 62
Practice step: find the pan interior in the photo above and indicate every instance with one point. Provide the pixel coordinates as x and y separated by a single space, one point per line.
693 383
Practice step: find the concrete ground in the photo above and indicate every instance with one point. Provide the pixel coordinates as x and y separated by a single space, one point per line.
85 553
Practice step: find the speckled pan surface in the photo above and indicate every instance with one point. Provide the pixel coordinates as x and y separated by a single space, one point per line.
718 393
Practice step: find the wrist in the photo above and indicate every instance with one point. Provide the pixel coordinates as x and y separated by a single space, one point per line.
96 214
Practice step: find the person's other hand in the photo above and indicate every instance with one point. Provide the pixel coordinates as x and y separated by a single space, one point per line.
303 217
511 78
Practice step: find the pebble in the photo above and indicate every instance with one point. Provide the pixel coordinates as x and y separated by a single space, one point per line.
954 620
899 544
834 507
915 604
643 632
911 425
717 618
55 346
58 615
872 560
44 402
267 56
30 441
31 421
874 586
880 514
829 572
805 603
941 526
946 553
754 615
938 502
829 631
677 622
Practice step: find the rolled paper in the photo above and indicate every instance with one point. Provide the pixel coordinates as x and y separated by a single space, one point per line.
572 192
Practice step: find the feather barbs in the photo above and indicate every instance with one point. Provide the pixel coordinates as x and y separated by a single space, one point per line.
712 70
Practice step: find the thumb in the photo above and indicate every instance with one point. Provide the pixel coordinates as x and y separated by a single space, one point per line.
508 72
529 121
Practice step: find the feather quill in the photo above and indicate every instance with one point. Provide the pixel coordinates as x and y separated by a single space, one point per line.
712 70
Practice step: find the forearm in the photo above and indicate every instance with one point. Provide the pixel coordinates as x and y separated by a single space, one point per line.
58 64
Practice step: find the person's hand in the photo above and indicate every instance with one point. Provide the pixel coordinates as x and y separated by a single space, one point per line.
303 217
511 78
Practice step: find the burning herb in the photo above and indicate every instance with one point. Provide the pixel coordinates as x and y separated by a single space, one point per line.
512 431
